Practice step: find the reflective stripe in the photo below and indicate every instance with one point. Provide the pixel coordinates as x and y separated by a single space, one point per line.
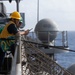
5 33
5 44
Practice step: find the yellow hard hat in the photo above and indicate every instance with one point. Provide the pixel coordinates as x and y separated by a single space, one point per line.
15 15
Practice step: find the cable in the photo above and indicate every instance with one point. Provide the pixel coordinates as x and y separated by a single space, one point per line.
42 45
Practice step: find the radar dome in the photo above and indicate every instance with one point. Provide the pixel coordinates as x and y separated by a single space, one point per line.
46 30
71 69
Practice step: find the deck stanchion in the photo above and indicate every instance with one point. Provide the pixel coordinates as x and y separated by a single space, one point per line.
18 72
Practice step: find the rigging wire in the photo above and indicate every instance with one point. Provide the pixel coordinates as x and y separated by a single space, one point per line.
42 45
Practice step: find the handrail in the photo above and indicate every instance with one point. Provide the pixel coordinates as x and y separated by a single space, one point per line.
13 70
16 64
37 62
18 70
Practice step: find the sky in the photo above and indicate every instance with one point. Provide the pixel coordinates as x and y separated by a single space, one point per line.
60 11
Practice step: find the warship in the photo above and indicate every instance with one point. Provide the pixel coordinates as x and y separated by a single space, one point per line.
34 53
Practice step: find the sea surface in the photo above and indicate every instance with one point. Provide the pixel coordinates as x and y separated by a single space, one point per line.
68 58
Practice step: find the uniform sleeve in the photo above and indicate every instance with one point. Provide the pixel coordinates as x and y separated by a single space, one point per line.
12 29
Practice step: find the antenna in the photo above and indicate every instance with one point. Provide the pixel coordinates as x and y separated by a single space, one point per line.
17 3
37 10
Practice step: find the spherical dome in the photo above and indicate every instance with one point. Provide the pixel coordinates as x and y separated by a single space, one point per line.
72 69
46 30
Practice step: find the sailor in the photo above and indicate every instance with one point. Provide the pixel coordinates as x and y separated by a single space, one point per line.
20 23
10 30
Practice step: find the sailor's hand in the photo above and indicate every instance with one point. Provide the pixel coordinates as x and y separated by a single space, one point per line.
26 32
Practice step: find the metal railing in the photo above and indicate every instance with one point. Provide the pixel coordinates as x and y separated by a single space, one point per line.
36 62
30 60
60 40
16 64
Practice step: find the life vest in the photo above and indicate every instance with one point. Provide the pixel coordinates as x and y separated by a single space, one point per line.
1 28
5 33
4 36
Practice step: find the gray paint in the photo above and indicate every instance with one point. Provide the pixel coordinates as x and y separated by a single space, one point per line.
46 30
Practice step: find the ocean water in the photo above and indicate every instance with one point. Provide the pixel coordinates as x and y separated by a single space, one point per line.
67 59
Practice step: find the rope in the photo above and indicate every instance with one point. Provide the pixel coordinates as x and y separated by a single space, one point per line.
42 45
